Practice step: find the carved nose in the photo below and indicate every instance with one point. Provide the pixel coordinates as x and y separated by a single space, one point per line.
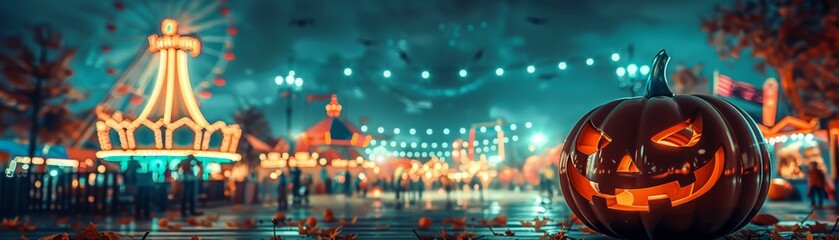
627 165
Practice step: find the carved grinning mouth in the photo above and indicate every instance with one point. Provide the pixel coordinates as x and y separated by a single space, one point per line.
638 199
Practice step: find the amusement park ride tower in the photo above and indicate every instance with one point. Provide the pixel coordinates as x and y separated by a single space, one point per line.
170 114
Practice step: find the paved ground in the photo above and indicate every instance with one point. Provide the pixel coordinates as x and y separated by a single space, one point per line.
377 218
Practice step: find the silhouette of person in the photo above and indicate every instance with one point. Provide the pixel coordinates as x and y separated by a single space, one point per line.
282 192
815 185
189 180
327 181
296 184
144 187
347 183
307 186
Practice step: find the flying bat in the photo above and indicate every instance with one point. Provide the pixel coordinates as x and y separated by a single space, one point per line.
536 20
301 22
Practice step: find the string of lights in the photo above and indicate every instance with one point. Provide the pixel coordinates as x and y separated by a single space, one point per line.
412 70
446 131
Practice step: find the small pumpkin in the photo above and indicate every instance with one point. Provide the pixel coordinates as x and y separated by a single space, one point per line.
424 223
780 189
312 222
664 165
328 215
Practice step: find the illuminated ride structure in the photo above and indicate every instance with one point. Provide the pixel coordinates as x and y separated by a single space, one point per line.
122 53
170 126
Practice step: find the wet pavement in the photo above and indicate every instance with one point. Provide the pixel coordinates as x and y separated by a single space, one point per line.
378 218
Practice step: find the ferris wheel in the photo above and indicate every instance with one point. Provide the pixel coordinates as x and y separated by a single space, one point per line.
122 48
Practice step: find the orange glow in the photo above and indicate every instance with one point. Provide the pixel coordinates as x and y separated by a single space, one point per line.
627 165
171 105
638 199
501 153
770 101
683 134
591 140
783 127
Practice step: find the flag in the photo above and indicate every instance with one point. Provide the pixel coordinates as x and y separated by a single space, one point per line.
321 97
728 87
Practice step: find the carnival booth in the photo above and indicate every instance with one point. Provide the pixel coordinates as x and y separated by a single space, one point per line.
325 152
793 142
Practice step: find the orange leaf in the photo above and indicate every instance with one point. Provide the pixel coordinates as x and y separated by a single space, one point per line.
763 219
195 238
125 221
587 230
176 226
192 221
382 227
212 218
26 228
249 223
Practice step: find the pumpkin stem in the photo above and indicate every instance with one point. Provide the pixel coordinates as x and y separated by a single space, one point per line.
657 82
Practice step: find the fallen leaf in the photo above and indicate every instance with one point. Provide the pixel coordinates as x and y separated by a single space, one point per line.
212 218
11 223
26 227
60 236
328 215
509 233
500 220
176 226
763 220
526 223
249 223
206 223
195 238
586 230
787 228
382 227
343 222
817 227
125 221
62 220
192 221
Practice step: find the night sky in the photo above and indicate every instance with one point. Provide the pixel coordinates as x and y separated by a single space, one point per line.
439 36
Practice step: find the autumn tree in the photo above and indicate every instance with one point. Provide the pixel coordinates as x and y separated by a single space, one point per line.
252 121
689 80
34 91
799 39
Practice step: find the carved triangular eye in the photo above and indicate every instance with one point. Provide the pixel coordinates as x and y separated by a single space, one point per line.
683 134
591 139
627 165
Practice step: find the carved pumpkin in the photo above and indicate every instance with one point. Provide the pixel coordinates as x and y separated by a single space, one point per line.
780 189
665 165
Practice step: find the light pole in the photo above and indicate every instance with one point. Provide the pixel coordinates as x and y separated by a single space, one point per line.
632 77
287 86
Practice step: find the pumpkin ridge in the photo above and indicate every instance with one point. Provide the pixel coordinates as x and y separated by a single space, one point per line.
758 203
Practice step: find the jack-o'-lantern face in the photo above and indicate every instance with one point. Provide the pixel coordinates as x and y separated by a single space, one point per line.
665 165
680 179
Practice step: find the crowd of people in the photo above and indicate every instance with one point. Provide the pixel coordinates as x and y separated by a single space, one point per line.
295 184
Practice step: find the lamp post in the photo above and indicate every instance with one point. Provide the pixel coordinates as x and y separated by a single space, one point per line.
287 86
632 77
